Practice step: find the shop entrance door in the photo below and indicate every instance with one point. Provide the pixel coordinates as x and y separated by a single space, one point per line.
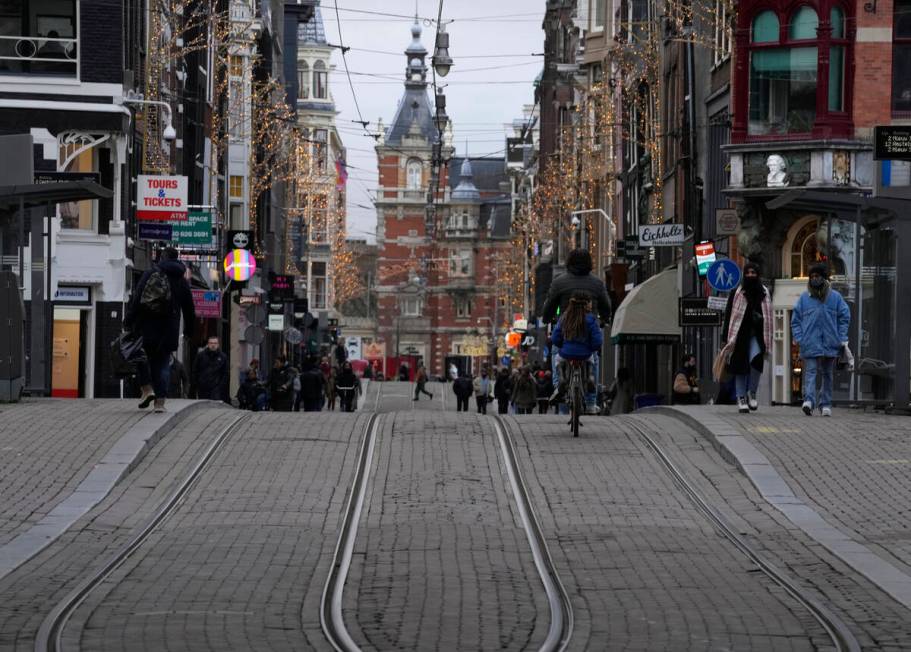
67 368
787 367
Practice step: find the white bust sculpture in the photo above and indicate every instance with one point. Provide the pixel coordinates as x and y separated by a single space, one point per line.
778 171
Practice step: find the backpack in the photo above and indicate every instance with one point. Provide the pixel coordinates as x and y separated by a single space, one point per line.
156 294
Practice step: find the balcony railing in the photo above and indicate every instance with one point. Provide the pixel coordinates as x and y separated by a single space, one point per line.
38 55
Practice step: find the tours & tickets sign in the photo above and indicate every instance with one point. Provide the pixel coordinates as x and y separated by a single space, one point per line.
161 198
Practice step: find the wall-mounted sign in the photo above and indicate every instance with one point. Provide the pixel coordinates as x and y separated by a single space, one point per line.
705 256
892 143
282 288
717 303
156 231
196 231
207 303
694 311
42 176
353 346
276 323
727 222
661 235
161 198
374 350
240 265
240 240
76 295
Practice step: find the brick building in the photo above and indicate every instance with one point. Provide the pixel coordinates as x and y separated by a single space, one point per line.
436 279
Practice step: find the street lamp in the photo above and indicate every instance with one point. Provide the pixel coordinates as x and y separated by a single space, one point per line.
169 132
576 223
442 62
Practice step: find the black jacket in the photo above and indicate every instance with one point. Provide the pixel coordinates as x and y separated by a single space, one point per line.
248 393
312 384
210 375
463 387
502 389
565 285
162 332
346 379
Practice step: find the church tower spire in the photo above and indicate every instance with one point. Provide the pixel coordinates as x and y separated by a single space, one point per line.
415 57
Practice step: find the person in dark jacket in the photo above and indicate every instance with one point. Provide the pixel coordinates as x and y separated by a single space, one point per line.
544 386
463 388
578 278
160 331
577 337
502 390
179 382
252 393
281 385
312 383
686 385
524 392
210 372
347 387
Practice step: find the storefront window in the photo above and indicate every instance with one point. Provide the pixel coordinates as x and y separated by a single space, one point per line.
901 58
874 362
804 251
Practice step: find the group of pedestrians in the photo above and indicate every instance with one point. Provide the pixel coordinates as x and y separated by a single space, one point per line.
819 326
516 391
316 385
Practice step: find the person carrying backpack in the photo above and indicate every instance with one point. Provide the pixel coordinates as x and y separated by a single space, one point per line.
154 310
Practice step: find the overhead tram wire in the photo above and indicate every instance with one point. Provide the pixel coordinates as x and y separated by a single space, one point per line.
341 43
430 20
466 56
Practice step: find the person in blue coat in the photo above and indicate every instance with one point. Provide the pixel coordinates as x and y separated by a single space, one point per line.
577 336
819 324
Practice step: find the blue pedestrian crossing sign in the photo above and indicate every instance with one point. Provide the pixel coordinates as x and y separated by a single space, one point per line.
723 275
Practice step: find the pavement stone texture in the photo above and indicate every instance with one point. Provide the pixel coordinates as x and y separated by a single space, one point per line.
441 560
47 447
643 568
878 621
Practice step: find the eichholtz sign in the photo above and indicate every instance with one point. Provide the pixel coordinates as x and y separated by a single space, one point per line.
660 235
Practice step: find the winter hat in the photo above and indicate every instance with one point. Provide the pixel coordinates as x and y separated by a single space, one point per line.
819 268
754 267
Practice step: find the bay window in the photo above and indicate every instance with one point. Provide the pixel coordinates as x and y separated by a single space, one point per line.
797 65
39 37
320 81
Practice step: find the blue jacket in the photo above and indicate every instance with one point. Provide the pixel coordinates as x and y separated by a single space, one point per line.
579 349
820 327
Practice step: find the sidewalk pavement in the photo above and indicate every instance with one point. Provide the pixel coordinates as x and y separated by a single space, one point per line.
843 480
60 458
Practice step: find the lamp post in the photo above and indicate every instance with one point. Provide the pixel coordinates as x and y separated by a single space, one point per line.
169 132
579 224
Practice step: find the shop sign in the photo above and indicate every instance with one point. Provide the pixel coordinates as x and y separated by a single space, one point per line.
240 265
727 222
717 303
374 351
155 231
240 239
282 288
694 311
660 235
42 176
276 323
195 231
892 143
248 299
207 303
76 295
353 346
161 198
705 256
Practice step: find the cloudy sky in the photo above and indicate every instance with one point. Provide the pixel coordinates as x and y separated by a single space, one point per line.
491 44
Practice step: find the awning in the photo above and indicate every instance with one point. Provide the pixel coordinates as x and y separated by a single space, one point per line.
648 314
39 194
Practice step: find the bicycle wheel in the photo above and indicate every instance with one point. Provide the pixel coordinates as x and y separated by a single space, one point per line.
578 405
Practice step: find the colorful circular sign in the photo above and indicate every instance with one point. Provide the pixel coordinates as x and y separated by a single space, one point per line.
240 265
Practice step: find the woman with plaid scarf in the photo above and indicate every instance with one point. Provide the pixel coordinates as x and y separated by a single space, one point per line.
747 334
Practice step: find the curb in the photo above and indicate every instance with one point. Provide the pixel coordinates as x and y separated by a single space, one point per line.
126 453
737 450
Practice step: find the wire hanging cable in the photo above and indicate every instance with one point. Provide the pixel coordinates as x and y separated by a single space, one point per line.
341 43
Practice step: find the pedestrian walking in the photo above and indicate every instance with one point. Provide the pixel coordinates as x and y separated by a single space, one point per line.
819 325
483 391
210 372
525 392
313 384
686 385
179 382
502 390
281 385
347 387
747 334
420 383
154 310
544 386
463 388
404 375
331 391
252 395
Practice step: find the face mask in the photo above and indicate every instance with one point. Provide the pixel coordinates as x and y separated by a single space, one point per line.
817 283
750 281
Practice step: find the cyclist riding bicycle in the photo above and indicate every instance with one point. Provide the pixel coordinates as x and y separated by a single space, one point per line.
578 278
577 336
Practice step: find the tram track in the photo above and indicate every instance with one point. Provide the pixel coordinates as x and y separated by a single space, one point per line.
837 630
331 613
50 633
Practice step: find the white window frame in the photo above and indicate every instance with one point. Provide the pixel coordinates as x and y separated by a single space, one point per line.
461 263
463 307
723 34
411 306
414 171
597 16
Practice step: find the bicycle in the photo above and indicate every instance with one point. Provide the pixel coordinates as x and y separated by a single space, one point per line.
576 395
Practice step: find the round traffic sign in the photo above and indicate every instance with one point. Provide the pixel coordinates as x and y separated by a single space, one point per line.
293 336
723 275
240 265
254 335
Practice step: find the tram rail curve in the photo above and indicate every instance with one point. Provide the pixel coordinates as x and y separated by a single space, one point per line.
837 630
331 616
50 633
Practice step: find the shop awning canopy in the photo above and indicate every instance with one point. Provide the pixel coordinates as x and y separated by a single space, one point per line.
648 314
39 194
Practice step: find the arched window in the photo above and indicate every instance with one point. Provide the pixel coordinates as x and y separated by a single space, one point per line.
303 80
320 81
413 173
804 249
